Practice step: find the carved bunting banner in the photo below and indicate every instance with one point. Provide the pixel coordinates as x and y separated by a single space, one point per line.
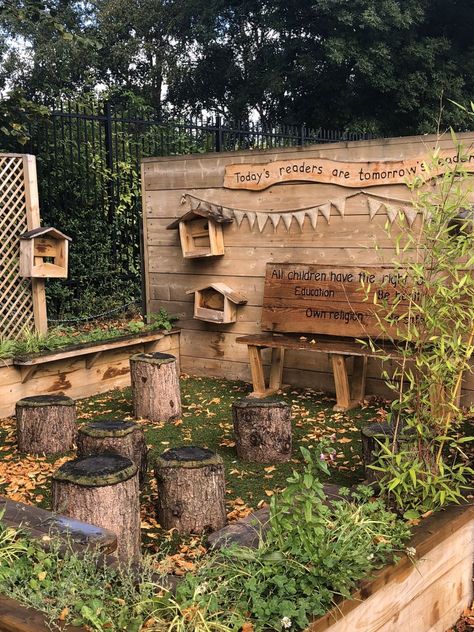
376 204
256 177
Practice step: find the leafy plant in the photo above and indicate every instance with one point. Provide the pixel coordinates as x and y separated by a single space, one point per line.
314 553
431 321
162 320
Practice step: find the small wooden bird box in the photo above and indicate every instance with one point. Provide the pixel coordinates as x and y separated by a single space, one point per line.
216 303
44 253
200 231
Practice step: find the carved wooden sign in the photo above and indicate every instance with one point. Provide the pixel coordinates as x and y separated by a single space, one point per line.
324 299
348 174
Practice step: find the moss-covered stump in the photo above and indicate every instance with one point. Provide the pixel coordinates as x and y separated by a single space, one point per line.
155 386
372 435
102 490
191 490
45 424
114 437
262 430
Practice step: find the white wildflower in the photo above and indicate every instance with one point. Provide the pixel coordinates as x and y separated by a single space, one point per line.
286 623
410 551
201 589
370 557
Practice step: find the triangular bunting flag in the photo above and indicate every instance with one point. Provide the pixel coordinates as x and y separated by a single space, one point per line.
239 217
275 219
227 212
313 217
300 218
326 211
183 199
340 205
261 221
287 219
410 214
392 213
374 207
251 216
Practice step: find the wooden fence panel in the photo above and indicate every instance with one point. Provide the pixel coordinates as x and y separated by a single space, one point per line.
22 301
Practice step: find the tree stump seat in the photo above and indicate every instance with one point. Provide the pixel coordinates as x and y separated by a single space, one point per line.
114 437
102 490
191 490
45 424
155 386
262 430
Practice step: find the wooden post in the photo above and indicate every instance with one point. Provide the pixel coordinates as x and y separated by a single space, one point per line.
155 386
262 430
102 490
45 424
191 490
33 221
114 437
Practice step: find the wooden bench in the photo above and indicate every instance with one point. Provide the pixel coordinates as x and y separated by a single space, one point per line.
320 309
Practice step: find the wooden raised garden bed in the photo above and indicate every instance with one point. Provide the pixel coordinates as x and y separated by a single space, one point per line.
426 595
78 370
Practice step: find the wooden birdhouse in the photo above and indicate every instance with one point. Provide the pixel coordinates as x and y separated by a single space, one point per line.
200 231
44 253
216 303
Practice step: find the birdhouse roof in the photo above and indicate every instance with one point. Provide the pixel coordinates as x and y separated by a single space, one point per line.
206 210
43 231
222 288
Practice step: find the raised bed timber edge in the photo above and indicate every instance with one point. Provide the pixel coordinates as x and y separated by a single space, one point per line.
426 595
78 370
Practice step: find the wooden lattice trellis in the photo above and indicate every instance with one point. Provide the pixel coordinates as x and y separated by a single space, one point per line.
22 302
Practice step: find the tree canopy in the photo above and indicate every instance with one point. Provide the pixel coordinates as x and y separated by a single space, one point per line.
385 66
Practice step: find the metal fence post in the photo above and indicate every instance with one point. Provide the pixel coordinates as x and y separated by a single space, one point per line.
218 134
109 163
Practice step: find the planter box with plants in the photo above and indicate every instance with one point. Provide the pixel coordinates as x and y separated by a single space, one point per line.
76 363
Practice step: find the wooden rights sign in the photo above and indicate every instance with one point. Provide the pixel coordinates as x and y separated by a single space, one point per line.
324 299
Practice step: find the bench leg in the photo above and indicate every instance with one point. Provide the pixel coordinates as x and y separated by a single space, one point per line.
359 377
256 368
276 369
341 381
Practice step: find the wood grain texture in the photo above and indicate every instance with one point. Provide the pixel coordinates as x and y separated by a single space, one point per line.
352 239
71 376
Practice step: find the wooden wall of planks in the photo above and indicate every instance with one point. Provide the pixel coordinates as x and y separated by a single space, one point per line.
354 239
72 377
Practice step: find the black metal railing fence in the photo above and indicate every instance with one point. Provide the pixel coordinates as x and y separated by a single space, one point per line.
88 160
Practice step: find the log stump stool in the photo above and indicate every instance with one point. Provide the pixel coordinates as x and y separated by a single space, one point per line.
114 437
371 436
191 490
155 386
262 430
102 490
45 424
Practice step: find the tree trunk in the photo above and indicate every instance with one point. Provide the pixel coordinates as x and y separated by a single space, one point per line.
191 490
102 490
46 424
262 430
371 436
155 386
114 437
